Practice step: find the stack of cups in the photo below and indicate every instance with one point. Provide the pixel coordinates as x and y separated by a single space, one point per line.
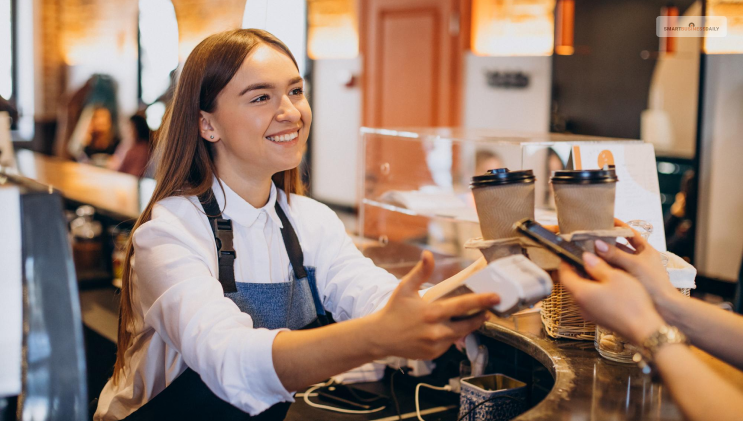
585 200
503 197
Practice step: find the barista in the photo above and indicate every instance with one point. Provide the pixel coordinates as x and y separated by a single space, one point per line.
229 261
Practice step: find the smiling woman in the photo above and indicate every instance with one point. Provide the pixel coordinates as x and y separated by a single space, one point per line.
260 125
223 312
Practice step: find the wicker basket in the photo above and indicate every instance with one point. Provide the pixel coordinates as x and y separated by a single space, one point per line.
561 316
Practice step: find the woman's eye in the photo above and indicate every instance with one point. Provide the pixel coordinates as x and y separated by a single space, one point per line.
262 98
297 91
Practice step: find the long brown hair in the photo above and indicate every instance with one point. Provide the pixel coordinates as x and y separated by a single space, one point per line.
208 69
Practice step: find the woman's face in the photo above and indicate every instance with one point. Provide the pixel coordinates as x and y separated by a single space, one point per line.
262 118
101 121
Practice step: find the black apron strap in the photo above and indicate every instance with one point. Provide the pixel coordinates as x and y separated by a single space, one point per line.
222 230
291 242
296 257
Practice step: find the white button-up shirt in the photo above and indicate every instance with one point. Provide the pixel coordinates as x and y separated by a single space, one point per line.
182 318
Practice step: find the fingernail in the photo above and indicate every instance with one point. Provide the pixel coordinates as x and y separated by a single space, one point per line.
590 259
602 246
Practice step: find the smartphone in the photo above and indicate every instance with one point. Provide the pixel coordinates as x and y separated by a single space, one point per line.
569 251
351 397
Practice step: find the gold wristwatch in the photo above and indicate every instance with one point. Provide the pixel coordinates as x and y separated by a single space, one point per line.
665 335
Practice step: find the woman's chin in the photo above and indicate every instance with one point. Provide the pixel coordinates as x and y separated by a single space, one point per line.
289 166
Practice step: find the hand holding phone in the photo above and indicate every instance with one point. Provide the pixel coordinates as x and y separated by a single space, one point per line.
567 250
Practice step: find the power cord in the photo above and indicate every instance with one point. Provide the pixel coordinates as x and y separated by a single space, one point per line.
394 395
417 394
333 408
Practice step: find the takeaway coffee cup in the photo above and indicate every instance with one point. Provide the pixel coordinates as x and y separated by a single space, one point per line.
584 199
503 197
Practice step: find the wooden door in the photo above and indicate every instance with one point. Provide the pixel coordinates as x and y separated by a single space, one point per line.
412 62
411 78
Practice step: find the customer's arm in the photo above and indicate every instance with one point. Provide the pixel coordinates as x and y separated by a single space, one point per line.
710 328
618 301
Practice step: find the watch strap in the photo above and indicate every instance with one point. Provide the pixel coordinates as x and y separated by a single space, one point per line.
665 335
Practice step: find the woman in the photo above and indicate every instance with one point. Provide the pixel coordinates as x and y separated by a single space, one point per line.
207 334
100 137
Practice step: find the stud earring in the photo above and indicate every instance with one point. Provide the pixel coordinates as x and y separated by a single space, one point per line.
211 137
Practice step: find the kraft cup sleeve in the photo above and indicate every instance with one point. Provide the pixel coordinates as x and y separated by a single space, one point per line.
500 206
584 207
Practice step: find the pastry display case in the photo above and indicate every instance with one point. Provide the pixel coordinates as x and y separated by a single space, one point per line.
414 186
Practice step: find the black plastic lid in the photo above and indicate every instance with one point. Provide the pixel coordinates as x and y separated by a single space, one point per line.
606 175
500 176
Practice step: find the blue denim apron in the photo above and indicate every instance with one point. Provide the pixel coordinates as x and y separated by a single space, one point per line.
294 305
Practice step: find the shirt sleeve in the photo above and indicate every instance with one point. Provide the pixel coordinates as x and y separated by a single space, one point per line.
351 285
184 303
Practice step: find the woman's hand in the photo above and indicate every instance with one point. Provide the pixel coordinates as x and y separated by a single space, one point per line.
410 327
645 265
615 300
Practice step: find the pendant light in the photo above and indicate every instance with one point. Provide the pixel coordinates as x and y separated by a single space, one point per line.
668 44
565 27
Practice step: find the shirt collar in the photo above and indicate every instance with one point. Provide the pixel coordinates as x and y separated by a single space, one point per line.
239 210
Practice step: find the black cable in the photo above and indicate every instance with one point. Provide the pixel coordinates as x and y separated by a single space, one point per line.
394 396
486 401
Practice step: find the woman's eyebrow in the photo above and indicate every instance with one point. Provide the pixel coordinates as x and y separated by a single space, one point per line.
261 85
257 86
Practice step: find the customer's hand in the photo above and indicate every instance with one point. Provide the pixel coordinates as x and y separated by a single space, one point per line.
645 264
410 327
614 299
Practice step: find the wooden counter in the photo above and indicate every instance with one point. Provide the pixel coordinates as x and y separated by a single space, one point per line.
587 386
113 193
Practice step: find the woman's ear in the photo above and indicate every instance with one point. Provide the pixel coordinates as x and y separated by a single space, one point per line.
206 129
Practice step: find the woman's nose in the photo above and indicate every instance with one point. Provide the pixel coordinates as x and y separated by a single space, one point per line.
287 111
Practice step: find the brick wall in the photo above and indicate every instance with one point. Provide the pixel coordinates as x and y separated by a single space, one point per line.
77 37
50 71
80 33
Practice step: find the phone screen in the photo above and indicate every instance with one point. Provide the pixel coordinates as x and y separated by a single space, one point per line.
567 250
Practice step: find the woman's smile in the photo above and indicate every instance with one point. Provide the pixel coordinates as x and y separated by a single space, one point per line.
286 137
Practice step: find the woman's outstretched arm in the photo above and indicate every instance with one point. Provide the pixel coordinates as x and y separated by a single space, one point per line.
407 327
709 327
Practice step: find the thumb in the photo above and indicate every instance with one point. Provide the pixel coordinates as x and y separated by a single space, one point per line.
596 267
422 271
570 279
636 240
615 256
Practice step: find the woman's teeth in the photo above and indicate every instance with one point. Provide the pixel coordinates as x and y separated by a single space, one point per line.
283 138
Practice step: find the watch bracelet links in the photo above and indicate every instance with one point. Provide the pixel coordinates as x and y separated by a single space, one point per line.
665 335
